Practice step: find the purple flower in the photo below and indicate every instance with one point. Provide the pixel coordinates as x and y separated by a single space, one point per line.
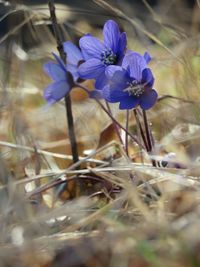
131 84
99 55
74 58
60 73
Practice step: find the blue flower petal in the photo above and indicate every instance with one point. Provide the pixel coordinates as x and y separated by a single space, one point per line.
73 53
60 90
84 54
56 91
122 45
121 79
113 94
147 57
74 71
101 81
118 82
135 63
148 99
109 96
91 69
111 35
91 47
47 94
60 61
128 102
147 77
55 71
110 70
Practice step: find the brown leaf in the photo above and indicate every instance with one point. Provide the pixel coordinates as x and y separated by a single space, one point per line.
107 135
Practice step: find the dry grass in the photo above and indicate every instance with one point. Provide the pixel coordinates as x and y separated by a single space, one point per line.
111 211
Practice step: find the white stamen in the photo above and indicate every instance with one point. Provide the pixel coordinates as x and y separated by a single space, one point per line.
134 88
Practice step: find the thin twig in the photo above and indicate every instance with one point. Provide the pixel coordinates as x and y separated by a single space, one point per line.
160 173
146 126
163 97
48 153
126 135
141 130
139 135
68 105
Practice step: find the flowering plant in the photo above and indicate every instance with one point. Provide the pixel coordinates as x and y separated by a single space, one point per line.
99 55
60 73
121 76
131 84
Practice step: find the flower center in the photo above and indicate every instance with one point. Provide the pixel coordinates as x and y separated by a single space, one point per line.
108 57
135 88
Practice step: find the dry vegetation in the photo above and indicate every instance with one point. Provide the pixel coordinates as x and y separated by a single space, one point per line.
111 210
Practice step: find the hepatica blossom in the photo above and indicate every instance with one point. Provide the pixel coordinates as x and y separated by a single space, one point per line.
131 84
99 55
121 76
58 72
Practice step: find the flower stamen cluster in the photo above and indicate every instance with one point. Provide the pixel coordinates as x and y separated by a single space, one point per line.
99 55
108 57
131 84
135 89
